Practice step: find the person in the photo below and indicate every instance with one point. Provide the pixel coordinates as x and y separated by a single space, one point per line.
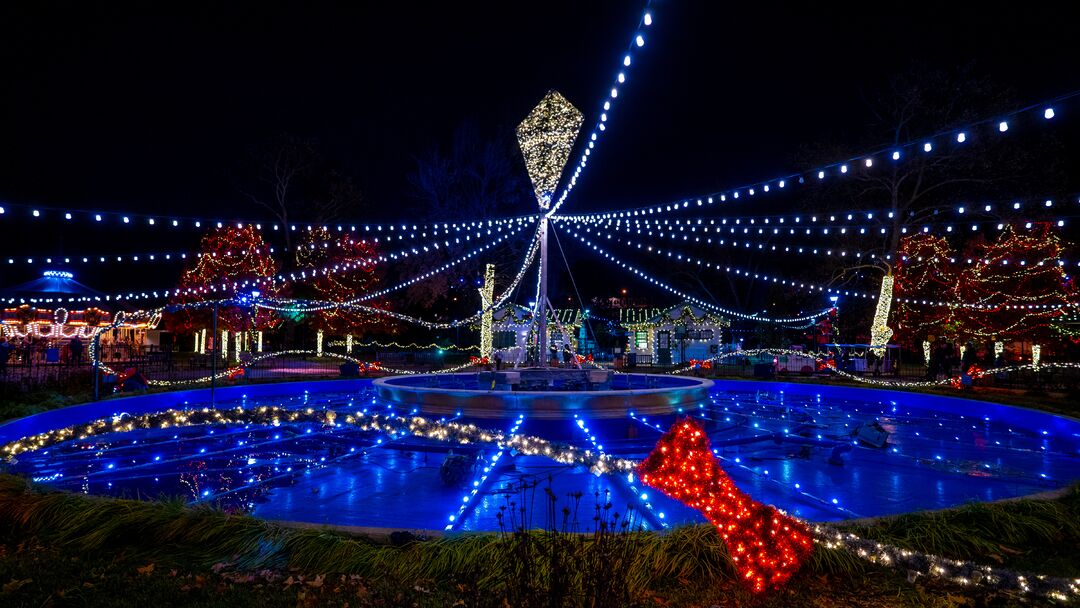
872 361
498 362
5 353
969 358
75 349
567 356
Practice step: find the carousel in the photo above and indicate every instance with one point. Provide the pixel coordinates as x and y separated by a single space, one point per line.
42 330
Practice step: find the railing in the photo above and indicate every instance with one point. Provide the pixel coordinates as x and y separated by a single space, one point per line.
24 373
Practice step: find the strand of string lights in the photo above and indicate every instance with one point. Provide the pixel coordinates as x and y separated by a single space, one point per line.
449 239
1000 124
12 211
673 255
248 285
637 41
741 243
291 306
663 285
992 207
688 259
421 277
813 225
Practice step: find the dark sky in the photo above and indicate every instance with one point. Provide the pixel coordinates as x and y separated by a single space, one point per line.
117 109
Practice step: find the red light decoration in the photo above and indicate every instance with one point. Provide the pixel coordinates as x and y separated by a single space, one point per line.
767 546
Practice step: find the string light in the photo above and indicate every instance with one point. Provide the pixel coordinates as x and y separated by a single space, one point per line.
644 215
636 42
294 306
672 255
925 144
480 480
388 230
700 303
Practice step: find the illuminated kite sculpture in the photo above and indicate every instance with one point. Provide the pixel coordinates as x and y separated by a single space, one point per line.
767 546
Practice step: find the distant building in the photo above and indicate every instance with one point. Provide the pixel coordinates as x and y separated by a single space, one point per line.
673 336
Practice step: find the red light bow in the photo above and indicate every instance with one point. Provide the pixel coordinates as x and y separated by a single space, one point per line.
767 546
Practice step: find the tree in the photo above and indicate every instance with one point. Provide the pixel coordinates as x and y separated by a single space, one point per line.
231 260
1011 288
925 271
1019 284
345 268
926 187
474 178
288 176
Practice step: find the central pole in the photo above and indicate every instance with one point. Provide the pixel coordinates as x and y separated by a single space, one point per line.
541 303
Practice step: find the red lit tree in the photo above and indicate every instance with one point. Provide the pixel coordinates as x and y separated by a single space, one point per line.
231 262
342 268
926 275
1020 285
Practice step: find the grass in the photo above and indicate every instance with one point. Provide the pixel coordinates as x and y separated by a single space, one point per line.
56 538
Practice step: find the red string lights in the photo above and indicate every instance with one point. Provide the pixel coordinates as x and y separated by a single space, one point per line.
767 546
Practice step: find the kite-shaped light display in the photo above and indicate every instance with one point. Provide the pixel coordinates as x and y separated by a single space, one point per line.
546 137
766 545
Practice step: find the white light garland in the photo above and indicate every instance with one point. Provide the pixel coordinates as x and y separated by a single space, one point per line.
636 42
843 167
692 299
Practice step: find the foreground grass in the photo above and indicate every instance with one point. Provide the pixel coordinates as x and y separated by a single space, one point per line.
60 548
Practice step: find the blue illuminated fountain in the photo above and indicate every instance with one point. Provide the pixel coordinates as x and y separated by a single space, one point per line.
787 444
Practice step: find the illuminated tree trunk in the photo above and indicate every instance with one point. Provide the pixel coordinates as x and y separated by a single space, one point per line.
880 332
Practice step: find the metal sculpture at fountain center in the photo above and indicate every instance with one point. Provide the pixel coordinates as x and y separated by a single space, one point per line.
546 137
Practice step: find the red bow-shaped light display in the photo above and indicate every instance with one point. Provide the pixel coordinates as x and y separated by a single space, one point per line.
767 546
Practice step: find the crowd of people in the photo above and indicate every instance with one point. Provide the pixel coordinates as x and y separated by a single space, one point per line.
28 351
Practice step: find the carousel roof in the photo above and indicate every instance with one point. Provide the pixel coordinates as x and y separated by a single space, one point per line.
54 287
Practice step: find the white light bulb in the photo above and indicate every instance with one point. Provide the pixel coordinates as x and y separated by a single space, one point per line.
647 19
961 137
640 40
1048 113
1003 126
896 155
927 147
869 162
626 61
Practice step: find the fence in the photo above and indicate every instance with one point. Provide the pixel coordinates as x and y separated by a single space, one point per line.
25 374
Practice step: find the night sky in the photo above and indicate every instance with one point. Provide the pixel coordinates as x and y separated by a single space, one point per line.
116 109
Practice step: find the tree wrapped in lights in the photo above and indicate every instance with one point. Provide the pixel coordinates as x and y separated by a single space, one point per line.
1019 285
232 262
342 268
925 272
767 546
